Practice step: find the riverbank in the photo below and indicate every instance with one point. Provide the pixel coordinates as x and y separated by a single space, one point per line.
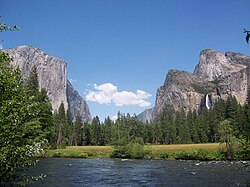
209 151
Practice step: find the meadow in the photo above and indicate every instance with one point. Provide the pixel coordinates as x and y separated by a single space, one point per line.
208 151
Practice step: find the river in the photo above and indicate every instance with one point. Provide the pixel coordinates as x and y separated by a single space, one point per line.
115 172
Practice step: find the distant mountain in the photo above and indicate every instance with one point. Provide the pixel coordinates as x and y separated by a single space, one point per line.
216 76
146 115
52 75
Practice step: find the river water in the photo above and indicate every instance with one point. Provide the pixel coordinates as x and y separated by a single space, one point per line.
115 172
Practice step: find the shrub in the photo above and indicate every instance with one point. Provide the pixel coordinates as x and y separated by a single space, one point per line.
135 150
57 154
132 150
119 152
84 155
199 155
164 155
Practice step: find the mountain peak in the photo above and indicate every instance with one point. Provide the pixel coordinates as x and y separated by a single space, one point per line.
52 76
217 75
214 64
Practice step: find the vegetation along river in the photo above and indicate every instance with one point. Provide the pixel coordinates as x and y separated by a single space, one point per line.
116 172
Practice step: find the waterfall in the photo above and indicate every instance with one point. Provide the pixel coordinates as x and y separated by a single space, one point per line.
208 102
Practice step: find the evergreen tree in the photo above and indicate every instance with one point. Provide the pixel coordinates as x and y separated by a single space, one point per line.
95 131
179 121
107 130
102 135
32 85
157 134
71 135
246 126
134 127
116 130
166 123
220 110
70 130
86 134
219 114
245 135
78 129
207 127
226 136
44 106
231 107
191 117
184 134
202 128
61 127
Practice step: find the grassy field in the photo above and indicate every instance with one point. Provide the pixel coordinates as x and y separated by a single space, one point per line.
182 147
82 152
152 151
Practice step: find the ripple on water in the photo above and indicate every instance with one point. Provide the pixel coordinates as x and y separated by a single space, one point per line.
114 172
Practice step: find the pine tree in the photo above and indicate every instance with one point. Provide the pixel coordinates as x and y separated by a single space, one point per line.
116 130
166 124
202 128
149 133
235 113
86 134
157 134
44 106
32 85
71 135
206 126
61 127
246 126
95 131
191 117
107 130
184 134
78 129
179 121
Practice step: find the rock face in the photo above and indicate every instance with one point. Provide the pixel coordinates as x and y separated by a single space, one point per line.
227 72
52 75
146 115
214 64
77 104
216 76
179 92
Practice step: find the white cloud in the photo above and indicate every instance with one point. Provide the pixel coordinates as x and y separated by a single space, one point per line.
130 98
107 93
107 88
1 46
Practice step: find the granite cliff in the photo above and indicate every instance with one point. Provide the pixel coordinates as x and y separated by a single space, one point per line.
146 115
52 75
216 76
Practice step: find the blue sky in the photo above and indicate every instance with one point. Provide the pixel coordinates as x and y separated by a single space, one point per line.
119 51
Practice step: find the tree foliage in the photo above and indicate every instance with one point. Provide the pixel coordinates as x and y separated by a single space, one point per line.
20 127
226 136
5 27
170 127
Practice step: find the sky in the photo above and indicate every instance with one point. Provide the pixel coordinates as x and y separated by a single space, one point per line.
118 52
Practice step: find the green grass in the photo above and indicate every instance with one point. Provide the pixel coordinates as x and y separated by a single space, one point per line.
182 147
152 151
206 151
82 152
